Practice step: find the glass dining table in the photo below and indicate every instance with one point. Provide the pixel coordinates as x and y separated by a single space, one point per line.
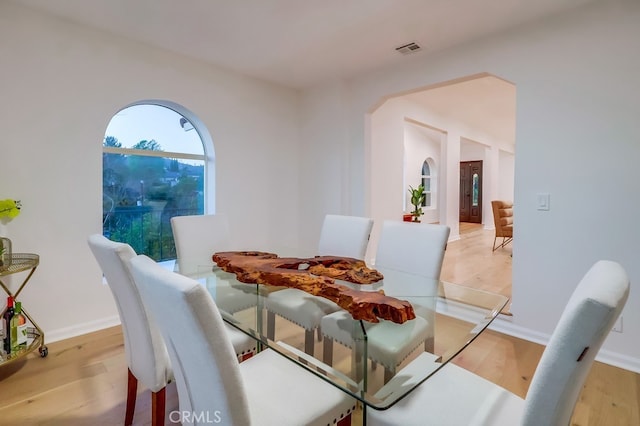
452 315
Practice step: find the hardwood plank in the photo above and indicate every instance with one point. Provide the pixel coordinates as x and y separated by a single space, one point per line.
611 395
81 382
471 262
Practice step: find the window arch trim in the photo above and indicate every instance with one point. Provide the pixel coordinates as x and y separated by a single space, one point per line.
427 179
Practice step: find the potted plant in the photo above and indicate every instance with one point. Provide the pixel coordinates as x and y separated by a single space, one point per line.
417 198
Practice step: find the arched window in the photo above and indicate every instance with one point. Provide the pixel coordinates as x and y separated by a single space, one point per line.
154 167
427 183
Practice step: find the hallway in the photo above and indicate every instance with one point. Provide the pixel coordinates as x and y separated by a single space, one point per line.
470 261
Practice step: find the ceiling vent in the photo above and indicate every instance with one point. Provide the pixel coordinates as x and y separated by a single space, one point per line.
409 48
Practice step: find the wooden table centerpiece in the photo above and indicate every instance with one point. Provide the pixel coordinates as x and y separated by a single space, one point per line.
316 276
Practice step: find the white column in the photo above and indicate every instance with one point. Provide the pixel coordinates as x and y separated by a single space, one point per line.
450 178
490 185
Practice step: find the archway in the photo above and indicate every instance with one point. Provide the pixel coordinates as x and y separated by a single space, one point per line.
467 118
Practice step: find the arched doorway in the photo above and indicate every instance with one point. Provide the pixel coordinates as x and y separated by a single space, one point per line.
468 119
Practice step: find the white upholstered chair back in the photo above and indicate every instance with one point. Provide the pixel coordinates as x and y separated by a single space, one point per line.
144 347
586 321
147 358
207 372
344 236
416 248
197 237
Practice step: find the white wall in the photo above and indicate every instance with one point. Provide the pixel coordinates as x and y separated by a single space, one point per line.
60 86
323 165
472 151
574 76
506 166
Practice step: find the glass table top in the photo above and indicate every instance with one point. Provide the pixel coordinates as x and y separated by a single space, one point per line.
377 363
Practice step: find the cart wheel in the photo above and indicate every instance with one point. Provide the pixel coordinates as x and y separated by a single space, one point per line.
44 351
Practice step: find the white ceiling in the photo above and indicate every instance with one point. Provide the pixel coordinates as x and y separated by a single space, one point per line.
299 43
485 104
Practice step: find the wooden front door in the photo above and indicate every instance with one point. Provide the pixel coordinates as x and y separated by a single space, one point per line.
471 191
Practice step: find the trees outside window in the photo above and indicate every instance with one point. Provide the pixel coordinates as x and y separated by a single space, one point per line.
153 169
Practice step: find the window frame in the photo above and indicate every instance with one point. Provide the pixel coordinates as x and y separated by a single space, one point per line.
424 178
207 157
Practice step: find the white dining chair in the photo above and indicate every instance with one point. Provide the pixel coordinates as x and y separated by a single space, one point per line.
266 389
415 248
147 357
346 236
454 396
339 236
197 238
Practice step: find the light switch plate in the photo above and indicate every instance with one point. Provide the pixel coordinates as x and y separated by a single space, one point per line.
544 200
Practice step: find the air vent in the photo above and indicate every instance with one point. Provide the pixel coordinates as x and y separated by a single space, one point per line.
409 48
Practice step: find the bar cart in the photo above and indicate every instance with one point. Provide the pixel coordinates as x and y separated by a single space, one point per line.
12 264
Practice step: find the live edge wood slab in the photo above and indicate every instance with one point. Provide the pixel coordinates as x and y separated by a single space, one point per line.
317 276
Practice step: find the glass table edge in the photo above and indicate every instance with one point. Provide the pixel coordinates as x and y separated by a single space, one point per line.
312 364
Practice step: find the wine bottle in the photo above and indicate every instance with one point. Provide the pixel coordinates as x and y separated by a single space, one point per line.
8 315
3 332
18 329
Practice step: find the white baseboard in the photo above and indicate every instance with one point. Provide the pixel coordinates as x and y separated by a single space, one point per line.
84 328
504 324
618 360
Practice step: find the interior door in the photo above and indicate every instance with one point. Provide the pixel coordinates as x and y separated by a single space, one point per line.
471 191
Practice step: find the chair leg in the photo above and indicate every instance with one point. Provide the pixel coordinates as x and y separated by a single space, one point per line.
358 364
132 389
389 373
327 351
505 241
308 342
429 345
158 407
271 325
345 421
244 356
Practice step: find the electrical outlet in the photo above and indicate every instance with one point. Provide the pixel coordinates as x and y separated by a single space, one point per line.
617 327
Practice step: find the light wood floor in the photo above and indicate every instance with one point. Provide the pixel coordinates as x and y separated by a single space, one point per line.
83 380
471 262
